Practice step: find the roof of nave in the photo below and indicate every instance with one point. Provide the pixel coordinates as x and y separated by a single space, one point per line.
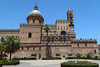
61 21
9 30
51 25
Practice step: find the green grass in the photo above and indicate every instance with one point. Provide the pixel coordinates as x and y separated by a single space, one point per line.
79 64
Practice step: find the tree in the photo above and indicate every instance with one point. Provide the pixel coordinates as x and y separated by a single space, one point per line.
12 44
47 47
78 55
2 47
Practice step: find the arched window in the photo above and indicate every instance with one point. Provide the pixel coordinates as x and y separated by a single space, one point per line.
29 35
63 33
39 21
33 21
85 44
77 44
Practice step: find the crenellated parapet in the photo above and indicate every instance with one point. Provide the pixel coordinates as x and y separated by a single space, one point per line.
9 30
84 41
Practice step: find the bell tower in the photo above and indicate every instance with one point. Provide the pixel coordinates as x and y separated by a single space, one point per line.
70 20
35 17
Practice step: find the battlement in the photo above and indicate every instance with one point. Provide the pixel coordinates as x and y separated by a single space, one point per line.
84 40
9 30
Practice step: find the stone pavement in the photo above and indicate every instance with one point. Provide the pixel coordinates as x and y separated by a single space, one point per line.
45 63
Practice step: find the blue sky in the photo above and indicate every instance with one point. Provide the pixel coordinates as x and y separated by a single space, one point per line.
86 14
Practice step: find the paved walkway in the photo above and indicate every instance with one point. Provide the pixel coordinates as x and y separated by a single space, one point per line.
45 63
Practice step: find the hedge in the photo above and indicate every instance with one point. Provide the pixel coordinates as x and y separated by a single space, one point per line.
57 54
69 54
79 64
0 64
33 54
52 58
24 58
8 62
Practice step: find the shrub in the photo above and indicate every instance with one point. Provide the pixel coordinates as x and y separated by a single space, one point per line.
24 58
33 54
57 54
51 58
69 54
78 55
88 56
83 57
12 62
79 64
0 64
71 58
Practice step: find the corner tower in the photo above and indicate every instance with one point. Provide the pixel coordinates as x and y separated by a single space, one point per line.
35 17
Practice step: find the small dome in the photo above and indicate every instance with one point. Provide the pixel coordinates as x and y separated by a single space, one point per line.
35 12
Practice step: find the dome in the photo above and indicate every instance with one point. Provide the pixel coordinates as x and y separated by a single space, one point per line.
35 12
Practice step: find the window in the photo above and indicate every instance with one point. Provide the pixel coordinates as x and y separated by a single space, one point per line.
61 27
27 48
22 48
58 27
29 35
39 48
52 41
85 44
77 44
39 21
64 27
60 39
48 41
70 14
95 51
33 21
63 33
70 17
33 48
64 40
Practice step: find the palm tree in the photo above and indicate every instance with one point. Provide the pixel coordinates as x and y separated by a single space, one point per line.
47 47
2 47
12 44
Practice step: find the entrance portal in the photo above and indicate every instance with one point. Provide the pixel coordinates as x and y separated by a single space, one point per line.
39 55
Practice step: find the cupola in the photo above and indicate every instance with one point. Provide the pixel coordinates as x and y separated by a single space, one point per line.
35 16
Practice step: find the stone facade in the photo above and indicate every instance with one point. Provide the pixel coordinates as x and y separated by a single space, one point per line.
61 38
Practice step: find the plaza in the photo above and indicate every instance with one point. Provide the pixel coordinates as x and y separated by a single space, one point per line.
46 63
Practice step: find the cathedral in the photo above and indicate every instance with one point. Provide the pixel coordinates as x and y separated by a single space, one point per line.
61 38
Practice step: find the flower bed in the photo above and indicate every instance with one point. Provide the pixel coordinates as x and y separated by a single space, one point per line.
79 64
